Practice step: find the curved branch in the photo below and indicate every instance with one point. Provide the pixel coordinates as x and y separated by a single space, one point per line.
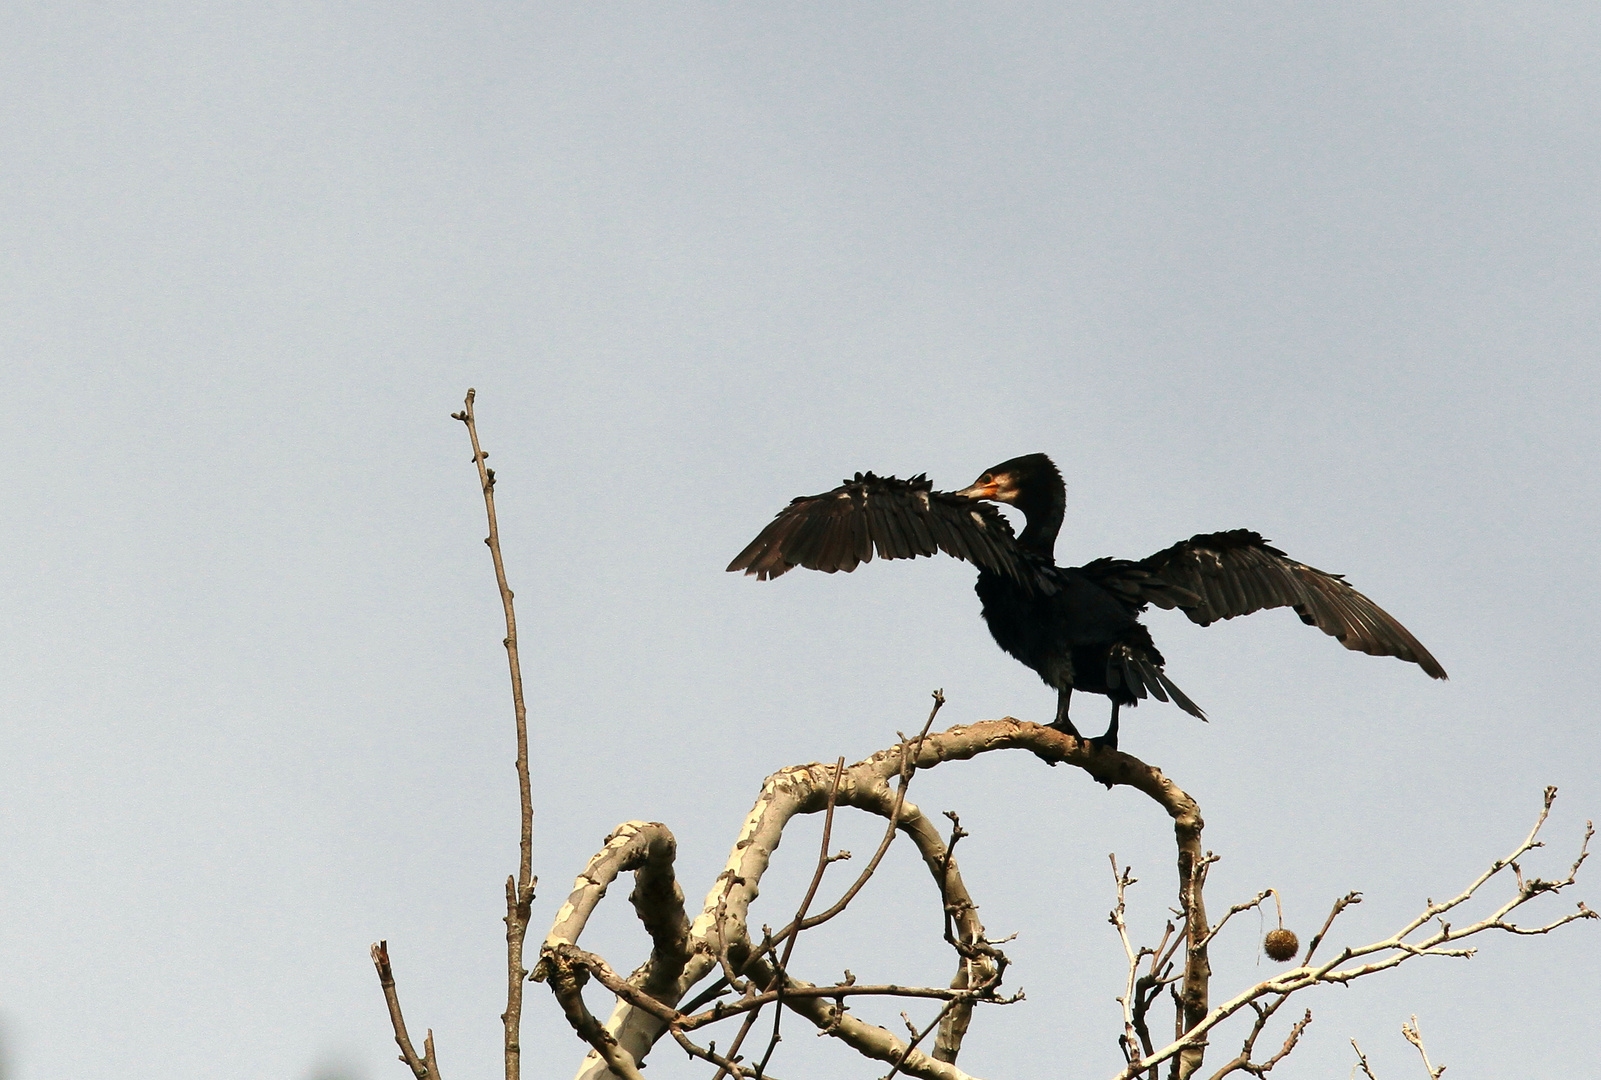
719 937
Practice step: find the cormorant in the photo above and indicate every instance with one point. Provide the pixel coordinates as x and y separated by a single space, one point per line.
1078 626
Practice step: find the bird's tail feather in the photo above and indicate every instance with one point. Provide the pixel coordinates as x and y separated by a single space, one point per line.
1144 678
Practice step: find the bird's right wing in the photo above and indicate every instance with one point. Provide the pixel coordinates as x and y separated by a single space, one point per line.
899 519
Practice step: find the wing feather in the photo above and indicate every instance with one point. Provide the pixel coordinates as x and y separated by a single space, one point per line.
952 542
861 537
900 543
883 535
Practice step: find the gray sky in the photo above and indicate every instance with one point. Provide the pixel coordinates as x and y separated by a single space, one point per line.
1324 271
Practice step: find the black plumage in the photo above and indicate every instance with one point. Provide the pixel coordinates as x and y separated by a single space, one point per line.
1078 627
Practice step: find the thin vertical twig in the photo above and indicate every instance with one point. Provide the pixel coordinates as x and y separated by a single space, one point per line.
519 890
1414 1036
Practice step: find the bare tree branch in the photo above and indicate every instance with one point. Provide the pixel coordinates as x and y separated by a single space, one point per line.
776 986
917 1037
1235 910
908 766
566 981
424 1067
1395 949
1339 905
519 890
978 963
719 937
1361 1063
1242 1062
1415 1037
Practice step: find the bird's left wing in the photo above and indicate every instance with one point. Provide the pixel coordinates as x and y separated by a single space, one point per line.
1216 576
897 519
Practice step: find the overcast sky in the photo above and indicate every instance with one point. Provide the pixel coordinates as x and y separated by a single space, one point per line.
1325 271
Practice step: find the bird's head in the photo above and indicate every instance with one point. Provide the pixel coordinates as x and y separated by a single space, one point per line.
1015 481
1033 485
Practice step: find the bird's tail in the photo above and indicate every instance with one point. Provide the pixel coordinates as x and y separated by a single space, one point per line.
1144 678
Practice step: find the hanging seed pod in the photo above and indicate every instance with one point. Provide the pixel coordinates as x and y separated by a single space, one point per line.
1281 944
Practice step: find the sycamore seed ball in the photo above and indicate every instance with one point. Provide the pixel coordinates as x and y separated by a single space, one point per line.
1281 944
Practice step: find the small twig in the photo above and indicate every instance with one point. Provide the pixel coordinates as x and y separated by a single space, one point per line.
957 832
424 1067
823 859
977 961
1236 909
519 890
1339 905
1242 1062
1289 1043
709 1053
1415 1037
917 1037
907 769
1148 987
1361 1063
1129 1040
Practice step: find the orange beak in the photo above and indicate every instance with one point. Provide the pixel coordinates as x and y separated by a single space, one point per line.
979 491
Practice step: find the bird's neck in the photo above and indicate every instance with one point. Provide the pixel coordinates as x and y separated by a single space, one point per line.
1043 514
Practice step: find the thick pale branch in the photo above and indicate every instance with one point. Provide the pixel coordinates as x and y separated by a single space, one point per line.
659 903
645 846
720 938
869 1040
567 982
648 848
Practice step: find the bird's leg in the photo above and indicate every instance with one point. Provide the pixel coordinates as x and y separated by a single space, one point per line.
1062 723
1109 740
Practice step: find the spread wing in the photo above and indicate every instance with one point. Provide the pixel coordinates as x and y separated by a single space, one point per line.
1216 576
898 519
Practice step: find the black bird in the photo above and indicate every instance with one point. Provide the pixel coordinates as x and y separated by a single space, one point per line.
1077 626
